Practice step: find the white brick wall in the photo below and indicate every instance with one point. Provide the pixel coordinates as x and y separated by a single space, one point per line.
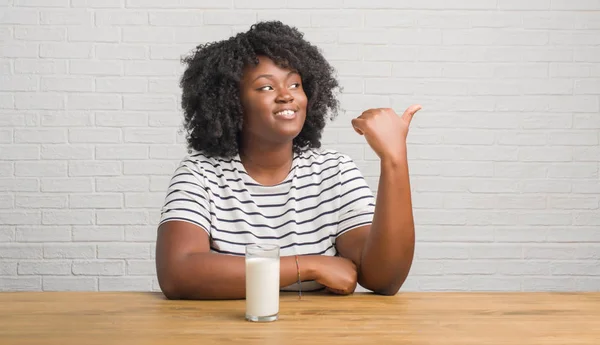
505 156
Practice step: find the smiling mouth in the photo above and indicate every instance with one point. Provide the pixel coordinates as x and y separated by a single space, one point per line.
286 114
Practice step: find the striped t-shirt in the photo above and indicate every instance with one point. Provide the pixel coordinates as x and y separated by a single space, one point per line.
323 196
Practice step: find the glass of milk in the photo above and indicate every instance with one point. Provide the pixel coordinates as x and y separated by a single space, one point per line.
262 282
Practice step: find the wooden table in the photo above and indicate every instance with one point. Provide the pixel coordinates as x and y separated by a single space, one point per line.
409 318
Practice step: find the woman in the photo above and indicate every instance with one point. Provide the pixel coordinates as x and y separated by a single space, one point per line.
255 106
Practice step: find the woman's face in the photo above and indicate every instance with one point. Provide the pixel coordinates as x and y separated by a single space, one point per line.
273 101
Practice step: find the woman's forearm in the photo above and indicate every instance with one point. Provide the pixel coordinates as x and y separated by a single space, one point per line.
389 248
219 276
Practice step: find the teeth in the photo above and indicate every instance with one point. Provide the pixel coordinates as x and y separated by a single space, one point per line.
285 113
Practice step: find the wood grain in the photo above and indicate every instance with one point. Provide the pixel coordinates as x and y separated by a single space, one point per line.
409 318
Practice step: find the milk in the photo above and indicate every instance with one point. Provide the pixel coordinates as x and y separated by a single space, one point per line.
262 288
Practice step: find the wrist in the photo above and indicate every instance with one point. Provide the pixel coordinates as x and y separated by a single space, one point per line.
309 267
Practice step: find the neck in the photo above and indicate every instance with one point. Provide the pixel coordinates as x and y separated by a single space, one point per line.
267 164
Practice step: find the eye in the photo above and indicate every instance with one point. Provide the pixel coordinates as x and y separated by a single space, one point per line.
265 88
296 85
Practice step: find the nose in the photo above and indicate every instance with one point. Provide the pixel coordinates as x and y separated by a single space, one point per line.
284 96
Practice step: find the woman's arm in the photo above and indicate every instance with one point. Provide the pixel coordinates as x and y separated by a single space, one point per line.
186 268
384 250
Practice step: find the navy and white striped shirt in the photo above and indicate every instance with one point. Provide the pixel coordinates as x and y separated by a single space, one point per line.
323 196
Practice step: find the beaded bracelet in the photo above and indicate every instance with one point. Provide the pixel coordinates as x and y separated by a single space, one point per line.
299 282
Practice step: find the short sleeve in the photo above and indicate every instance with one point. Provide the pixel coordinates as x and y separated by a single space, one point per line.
357 200
187 199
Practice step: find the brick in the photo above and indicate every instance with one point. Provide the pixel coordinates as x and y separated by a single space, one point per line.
152 68
42 3
67 185
41 201
442 251
137 233
44 268
67 217
121 18
67 151
176 18
295 18
98 3
545 154
39 100
95 135
67 84
94 168
121 119
168 52
124 251
586 154
501 284
19 217
7 234
100 68
18 16
545 186
522 267
519 5
19 50
18 83
495 251
149 135
586 218
125 284
542 284
19 152
40 34
66 50
520 170
98 233
40 67
8 268
573 170
141 267
149 167
19 185
586 5
121 152
133 34
6 136
101 34
573 234
66 118
587 54
144 200
488 36
520 234
135 102
7 201
6 169
125 85
99 268
69 251
66 17
94 101
363 69
232 17
95 201
70 284
121 217
445 283
20 251
581 268
122 184
11 284
42 168
522 139
167 151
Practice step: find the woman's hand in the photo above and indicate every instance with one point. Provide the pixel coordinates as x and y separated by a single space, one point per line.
385 131
337 274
